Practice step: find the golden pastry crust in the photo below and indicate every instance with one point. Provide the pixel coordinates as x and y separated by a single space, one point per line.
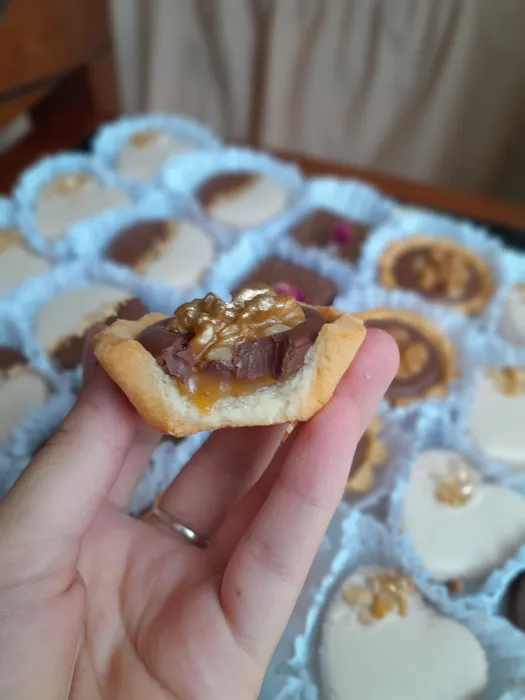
471 306
362 476
433 334
156 397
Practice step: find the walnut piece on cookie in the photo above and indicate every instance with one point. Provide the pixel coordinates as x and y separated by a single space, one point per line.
260 359
440 270
427 358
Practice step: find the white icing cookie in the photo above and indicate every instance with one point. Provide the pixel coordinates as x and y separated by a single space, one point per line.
70 311
496 421
512 320
147 151
253 205
185 259
70 198
420 656
19 394
16 262
462 540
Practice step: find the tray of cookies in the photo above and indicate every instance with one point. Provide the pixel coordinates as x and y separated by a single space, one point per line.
215 262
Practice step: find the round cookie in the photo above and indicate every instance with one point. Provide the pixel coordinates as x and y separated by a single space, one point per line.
380 640
338 235
440 270
21 389
146 151
17 263
512 319
241 199
495 417
369 454
461 527
72 197
170 251
62 322
427 359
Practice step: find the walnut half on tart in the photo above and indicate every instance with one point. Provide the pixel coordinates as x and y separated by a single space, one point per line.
260 359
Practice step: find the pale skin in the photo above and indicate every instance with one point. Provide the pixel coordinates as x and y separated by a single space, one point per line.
96 605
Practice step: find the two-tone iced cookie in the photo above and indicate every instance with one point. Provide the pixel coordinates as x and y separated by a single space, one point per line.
21 389
440 270
146 151
73 196
62 323
17 263
176 252
496 412
380 639
294 280
427 358
241 199
370 454
461 526
332 232
259 359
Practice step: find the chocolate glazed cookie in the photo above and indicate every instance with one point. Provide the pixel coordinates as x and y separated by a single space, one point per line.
440 270
427 363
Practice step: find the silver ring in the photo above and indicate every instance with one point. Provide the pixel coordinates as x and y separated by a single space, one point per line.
180 528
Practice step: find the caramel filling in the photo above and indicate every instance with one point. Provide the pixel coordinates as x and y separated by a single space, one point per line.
204 390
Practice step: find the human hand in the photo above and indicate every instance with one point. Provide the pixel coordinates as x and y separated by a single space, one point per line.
96 605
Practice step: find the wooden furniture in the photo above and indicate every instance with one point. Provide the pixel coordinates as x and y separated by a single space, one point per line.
56 61
493 212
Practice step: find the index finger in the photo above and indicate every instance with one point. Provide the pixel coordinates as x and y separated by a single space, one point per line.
267 569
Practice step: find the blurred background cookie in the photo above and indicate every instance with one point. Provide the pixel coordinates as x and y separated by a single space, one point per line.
172 251
336 234
496 413
63 322
17 263
21 389
440 270
380 639
241 199
512 317
427 358
146 151
288 278
71 197
461 526
370 454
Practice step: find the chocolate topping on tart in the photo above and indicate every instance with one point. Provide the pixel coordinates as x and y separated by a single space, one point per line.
277 356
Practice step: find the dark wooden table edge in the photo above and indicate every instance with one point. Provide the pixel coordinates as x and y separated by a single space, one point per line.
462 204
